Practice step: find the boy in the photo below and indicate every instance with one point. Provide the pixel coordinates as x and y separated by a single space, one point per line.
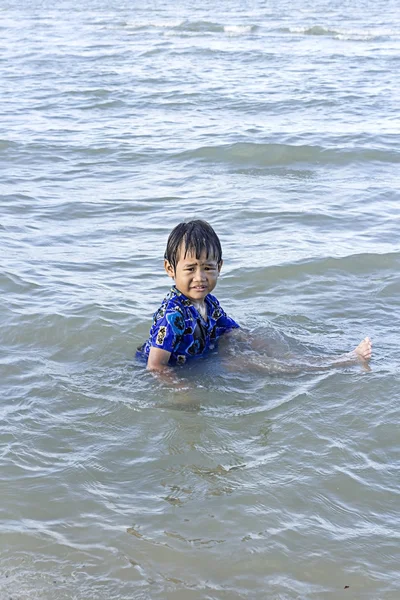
190 320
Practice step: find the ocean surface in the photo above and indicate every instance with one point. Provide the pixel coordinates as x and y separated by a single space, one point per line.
278 122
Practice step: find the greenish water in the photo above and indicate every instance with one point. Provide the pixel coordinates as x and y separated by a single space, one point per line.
279 125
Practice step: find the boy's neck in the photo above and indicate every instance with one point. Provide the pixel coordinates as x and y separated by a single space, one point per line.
201 308
199 305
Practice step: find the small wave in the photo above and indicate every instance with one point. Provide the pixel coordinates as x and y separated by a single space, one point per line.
239 29
139 25
341 34
264 155
7 145
315 30
200 26
192 27
349 264
355 37
211 27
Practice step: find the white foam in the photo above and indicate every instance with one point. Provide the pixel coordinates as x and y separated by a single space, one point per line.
364 35
154 24
345 34
237 29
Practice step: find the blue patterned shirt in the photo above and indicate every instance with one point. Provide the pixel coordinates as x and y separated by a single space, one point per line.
179 328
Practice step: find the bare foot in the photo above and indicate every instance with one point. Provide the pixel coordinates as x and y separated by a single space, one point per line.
364 350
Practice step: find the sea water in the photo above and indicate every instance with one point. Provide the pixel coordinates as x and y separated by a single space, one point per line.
279 124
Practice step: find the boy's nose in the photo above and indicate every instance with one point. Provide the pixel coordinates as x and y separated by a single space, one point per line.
200 275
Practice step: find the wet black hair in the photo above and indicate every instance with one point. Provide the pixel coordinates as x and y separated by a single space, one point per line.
195 237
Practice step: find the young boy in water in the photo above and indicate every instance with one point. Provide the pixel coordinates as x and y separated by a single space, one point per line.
190 320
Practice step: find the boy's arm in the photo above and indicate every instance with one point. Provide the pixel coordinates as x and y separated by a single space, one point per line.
158 359
158 363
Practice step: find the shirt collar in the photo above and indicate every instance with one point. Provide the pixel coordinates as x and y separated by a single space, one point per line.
188 301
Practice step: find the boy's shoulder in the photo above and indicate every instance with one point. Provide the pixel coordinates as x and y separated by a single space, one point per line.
214 308
175 293
173 301
212 300
176 300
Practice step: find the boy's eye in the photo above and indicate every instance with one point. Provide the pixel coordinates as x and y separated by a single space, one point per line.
206 268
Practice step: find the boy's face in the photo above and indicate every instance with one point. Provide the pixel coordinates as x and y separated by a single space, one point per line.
194 277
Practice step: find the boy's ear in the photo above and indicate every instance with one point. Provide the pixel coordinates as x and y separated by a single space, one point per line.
221 262
169 269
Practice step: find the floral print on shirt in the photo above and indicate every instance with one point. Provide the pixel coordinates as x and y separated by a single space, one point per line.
179 328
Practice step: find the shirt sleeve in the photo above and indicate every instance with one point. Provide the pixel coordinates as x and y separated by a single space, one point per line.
168 329
222 321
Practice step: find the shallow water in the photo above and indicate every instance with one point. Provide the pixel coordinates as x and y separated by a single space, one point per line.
279 125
